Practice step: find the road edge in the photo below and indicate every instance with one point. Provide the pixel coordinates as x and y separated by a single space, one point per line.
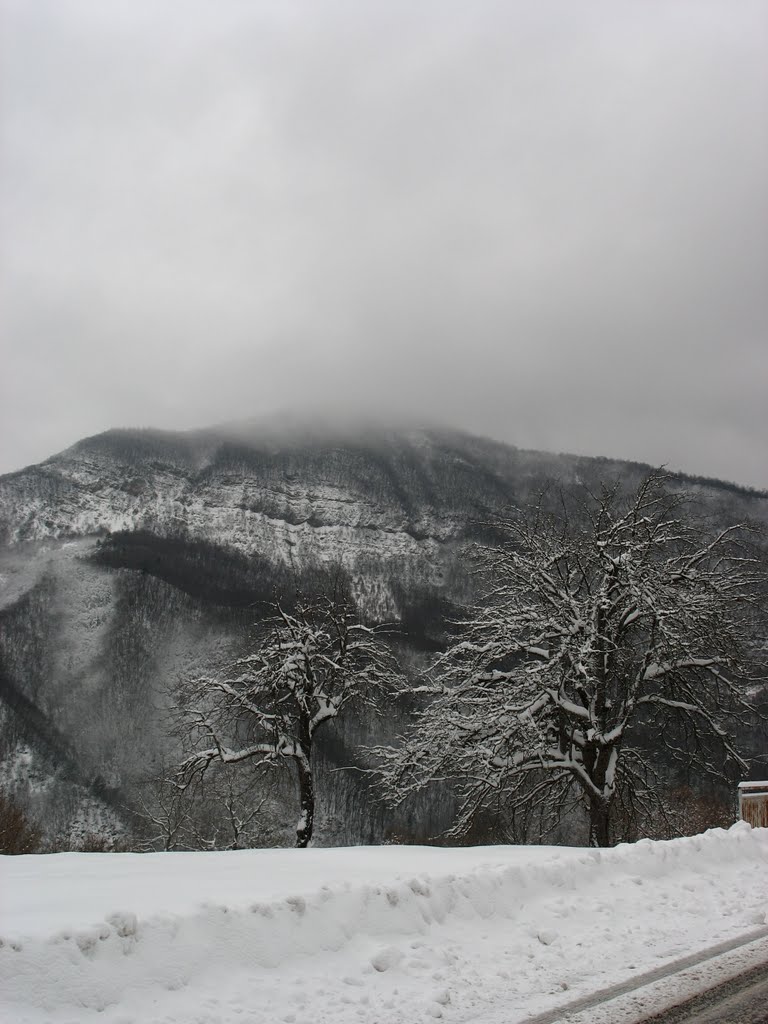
659 990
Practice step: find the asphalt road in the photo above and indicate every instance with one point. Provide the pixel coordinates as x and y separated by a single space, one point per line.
742 1000
715 999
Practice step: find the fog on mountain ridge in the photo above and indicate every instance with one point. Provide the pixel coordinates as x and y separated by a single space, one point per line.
541 223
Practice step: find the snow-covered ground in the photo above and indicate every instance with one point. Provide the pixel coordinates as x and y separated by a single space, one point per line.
395 935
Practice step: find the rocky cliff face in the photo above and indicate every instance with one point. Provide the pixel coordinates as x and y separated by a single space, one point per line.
138 557
385 500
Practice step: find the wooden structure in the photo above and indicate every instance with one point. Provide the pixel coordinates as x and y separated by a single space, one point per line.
753 803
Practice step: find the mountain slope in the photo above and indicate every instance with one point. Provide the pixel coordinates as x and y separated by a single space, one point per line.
136 558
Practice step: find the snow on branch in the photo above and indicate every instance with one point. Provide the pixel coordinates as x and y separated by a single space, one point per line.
307 665
594 619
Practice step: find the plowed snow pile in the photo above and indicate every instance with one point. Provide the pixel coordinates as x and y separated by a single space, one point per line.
387 934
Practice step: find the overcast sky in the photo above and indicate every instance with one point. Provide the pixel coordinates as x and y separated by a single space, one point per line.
545 221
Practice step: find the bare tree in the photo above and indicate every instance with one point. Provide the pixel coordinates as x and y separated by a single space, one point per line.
215 810
607 632
164 810
308 665
228 815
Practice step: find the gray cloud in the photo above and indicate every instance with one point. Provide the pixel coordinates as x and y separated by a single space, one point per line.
542 222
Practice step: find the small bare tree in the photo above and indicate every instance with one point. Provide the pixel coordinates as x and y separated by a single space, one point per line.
163 808
229 815
308 665
606 633
214 810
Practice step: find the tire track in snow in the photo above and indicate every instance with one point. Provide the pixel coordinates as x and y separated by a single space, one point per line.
573 1012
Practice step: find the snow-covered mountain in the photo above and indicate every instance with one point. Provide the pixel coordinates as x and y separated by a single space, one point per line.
137 557
293 498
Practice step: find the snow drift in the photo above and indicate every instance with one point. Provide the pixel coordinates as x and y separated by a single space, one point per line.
409 930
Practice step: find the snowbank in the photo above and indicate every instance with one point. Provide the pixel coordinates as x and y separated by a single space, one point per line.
370 933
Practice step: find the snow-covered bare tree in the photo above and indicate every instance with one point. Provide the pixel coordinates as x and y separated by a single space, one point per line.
614 620
307 666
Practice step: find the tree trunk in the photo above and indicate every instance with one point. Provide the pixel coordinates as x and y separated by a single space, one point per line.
599 822
306 801
600 764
